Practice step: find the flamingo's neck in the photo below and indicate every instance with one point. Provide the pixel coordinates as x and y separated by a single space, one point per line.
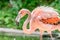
27 20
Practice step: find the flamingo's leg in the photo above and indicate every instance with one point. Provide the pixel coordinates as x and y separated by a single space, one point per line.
58 27
41 35
50 35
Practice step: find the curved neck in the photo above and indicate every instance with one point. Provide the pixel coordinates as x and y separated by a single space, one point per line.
28 19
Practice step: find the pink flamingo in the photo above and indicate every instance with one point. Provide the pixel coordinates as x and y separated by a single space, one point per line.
37 19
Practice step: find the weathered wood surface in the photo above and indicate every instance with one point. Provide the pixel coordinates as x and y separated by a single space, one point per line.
15 32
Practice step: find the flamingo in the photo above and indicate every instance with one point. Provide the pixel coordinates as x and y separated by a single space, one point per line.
42 18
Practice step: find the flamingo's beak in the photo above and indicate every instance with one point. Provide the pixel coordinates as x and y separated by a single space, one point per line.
17 20
17 23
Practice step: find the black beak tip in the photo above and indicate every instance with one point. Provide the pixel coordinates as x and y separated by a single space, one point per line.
17 23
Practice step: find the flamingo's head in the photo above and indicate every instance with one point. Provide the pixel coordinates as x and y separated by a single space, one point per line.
21 13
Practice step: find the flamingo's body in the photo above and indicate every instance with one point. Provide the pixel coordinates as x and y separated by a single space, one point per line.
42 18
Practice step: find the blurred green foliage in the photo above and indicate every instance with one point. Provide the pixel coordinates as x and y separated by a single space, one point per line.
9 10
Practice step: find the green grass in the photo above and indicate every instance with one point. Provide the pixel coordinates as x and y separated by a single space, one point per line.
18 38
6 38
24 38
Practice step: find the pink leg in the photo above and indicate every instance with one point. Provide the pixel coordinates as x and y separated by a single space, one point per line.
58 27
50 35
41 34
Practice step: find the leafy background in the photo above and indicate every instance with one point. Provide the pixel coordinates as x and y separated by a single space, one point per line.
9 10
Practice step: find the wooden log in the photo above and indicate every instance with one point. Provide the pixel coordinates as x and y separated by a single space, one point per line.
15 32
